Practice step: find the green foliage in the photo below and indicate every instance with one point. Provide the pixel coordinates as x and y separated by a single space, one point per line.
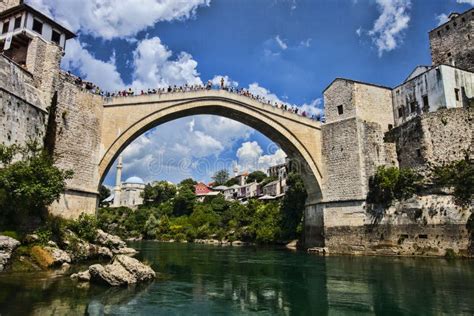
460 176
159 192
29 185
85 227
231 182
11 234
257 176
184 201
390 183
104 193
292 208
266 223
221 177
188 183
267 180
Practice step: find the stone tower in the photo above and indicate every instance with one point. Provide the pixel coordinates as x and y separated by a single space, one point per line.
452 43
7 4
118 182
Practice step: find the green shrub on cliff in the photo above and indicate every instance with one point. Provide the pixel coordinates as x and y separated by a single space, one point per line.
391 183
460 176
28 186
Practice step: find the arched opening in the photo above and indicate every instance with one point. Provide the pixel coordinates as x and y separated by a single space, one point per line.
124 122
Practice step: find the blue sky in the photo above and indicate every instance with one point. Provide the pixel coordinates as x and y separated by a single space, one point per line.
283 49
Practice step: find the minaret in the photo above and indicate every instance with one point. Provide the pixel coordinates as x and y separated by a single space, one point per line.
118 182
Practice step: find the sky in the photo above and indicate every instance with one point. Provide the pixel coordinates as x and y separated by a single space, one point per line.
287 50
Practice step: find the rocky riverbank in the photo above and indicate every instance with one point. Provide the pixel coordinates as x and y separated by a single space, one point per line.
33 254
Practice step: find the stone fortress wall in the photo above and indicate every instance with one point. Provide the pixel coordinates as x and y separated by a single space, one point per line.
424 122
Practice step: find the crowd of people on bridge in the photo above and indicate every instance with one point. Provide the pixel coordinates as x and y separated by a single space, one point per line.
190 88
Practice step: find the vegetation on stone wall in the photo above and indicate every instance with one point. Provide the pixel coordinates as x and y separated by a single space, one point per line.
391 183
29 185
177 215
459 176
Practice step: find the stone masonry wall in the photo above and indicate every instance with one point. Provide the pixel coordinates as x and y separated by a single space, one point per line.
434 138
342 161
429 225
23 113
339 93
374 104
79 123
453 42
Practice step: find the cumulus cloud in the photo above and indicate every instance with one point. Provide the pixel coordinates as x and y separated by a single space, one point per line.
110 19
250 157
314 108
471 2
153 66
228 82
104 73
388 29
442 18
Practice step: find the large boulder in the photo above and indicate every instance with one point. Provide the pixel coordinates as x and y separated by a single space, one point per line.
7 246
123 270
59 256
109 240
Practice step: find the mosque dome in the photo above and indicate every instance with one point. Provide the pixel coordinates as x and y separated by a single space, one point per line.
135 180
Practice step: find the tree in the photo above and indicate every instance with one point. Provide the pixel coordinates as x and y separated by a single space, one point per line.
158 193
231 182
460 176
257 175
292 208
30 185
187 182
184 201
266 222
104 193
221 177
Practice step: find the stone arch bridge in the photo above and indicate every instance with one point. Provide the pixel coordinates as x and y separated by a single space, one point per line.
126 118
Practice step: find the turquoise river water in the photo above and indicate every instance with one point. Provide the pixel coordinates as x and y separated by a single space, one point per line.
209 280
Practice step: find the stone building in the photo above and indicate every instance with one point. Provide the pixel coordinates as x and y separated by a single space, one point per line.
128 193
452 43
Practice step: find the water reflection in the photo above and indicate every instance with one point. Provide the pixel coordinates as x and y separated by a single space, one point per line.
204 280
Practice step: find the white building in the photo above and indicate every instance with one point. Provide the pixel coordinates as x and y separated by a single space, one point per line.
129 192
428 89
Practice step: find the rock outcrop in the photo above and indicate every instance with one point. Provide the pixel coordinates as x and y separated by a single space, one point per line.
7 246
123 270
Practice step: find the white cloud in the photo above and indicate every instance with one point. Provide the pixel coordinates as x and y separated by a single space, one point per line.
313 108
153 66
442 18
359 31
103 73
387 32
110 19
250 157
471 2
306 43
281 42
256 89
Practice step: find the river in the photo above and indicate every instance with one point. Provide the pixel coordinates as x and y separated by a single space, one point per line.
210 280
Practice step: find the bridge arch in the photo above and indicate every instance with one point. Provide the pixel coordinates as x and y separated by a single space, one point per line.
126 118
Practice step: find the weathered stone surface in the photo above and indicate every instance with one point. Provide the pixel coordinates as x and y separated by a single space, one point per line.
141 271
112 274
59 256
109 240
83 276
7 246
124 251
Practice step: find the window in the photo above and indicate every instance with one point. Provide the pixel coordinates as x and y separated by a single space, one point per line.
56 37
6 26
400 112
17 22
439 33
340 109
456 92
449 54
447 27
412 107
390 126
426 104
418 153
37 26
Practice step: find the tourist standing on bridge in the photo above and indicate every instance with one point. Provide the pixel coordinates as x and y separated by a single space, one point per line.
222 82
